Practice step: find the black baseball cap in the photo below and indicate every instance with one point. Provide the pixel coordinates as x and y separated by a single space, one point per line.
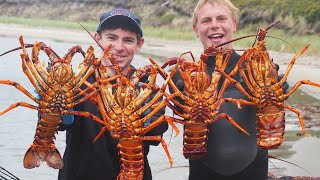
120 15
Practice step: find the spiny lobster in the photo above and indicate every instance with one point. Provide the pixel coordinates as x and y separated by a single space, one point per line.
58 88
126 105
123 104
261 77
201 99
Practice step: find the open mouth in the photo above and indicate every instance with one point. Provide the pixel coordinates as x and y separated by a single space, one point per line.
118 56
215 37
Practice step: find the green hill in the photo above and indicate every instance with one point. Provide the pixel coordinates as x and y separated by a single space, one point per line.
297 16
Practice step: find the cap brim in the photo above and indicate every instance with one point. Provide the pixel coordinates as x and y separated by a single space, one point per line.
118 19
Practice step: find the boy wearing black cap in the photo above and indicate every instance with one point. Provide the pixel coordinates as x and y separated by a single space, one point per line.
84 160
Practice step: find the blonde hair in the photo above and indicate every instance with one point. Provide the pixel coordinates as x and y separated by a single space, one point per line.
234 10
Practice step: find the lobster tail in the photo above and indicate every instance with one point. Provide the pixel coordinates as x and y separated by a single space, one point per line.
271 126
132 162
43 148
194 140
32 158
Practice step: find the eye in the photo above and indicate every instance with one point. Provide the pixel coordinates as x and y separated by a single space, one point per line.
129 40
222 18
111 38
205 20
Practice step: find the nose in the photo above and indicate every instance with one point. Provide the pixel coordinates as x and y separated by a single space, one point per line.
214 24
118 45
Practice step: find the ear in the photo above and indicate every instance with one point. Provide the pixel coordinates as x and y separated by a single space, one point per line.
97 36
140 43
234 26
195 29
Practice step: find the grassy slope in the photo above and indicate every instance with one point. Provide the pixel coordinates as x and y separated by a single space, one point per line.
297 42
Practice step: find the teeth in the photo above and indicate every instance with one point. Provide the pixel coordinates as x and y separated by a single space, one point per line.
216 36
116 56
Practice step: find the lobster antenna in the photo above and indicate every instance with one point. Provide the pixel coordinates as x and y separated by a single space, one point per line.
175 167
26 46
272 25
272 164
188 52
209 49
236 39
273 157
171 131
91 36
15 49
114 63
294 50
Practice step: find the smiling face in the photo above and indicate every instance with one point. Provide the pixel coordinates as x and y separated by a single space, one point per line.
124 45
214 24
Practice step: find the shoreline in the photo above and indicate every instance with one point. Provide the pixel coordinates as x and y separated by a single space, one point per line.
305 67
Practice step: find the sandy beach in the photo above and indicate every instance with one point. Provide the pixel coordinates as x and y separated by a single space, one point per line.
306 68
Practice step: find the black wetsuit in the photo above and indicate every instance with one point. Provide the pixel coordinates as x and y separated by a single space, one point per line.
84 160
231 153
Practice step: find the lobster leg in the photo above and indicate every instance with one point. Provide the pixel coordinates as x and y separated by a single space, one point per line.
23 104
83 67
40 68
85 114
159 106
92 116
81 77
163 143
230 119
33 68
159 94
238 85
104 129
35 84
249 78
290 65
223 88
178 104
239 102
299 83
105 110
160 120
21 88
170 82
226 60
256 71
299 116
239 67
79 101
82 91
27 66
108 97
75 49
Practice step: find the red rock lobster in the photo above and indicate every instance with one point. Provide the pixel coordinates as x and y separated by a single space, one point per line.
58 88
261 76
122 105
123 102
201 99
